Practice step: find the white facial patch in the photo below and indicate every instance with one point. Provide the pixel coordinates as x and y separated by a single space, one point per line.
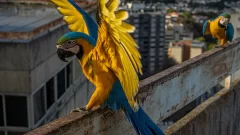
224 21
69 44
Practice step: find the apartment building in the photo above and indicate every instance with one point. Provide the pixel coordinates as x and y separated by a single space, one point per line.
150 36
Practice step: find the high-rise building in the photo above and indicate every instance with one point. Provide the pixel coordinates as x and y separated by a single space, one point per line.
150 36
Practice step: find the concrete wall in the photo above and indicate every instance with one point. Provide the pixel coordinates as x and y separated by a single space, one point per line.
43 8
176 53
160 95
14 76
44 62
219 115
26 65
195 51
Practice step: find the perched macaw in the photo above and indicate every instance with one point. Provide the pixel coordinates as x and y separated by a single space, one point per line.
220 28
109 58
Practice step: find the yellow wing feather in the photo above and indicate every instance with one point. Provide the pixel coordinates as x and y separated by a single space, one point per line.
71 16
115 48
121 48
121 15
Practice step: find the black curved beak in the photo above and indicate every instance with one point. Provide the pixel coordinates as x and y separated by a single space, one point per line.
62 54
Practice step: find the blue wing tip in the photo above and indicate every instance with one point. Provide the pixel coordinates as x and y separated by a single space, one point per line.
91 25
230 32
204 27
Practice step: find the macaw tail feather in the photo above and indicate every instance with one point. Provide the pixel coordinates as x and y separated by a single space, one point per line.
141 122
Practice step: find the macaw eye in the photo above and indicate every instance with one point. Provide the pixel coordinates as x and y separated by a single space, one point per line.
69 42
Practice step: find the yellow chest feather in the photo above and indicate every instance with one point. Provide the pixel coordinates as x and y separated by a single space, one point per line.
216 30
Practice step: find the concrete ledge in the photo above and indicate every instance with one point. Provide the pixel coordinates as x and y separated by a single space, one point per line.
34 8
219 115
31 34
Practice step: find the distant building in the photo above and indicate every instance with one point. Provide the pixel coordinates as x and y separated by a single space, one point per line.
185 49
150 36
174 30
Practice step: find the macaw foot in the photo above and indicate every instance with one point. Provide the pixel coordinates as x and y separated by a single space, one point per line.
82 110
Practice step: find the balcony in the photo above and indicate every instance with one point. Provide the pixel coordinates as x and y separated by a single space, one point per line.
163 94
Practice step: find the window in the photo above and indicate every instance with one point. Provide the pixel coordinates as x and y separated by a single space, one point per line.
61 83
152 52
2 133
152 59
16 106
162 44
153 33
16 133
69 74
145 42
152 44
1 112
50 92
162 24
39 105
153 40
153 24
161 39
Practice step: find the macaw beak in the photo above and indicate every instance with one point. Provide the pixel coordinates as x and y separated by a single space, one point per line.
226 23
62 54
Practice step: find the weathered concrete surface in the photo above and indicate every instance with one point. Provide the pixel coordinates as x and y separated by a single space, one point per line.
219 115
187 81
184 82
24 61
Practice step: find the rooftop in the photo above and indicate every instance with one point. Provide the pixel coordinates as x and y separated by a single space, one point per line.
25 19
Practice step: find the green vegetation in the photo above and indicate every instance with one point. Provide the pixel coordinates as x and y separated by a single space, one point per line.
170 10
201 39
187 15
210 42
211 46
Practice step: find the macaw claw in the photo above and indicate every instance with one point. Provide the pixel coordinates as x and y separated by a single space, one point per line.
82 110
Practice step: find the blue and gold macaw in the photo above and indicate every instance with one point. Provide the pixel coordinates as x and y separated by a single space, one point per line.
220 28
109 58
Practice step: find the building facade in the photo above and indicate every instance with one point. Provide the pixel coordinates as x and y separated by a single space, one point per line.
150 36
35 86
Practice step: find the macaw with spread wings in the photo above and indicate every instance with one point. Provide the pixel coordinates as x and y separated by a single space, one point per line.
109 58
